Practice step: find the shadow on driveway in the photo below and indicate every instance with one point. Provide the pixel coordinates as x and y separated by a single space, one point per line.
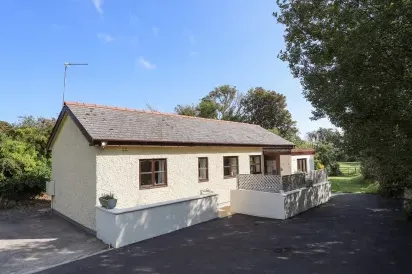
350 234
33 239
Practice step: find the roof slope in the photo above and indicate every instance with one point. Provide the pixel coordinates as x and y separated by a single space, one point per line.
120 125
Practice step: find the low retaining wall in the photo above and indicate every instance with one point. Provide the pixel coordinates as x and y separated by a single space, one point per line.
120 227
305 198
279 205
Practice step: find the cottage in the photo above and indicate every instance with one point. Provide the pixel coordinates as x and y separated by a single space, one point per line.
146 157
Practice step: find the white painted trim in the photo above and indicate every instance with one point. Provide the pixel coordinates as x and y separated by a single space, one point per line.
117 211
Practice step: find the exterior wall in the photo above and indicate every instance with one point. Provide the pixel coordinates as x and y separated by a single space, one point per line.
285 165
310 159
118 172
303 199
122 227
257 203
278 205
74 175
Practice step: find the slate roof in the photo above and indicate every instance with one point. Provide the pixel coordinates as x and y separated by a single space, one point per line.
129 126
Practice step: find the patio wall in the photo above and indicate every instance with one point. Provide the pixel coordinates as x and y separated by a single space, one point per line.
120 227
279 205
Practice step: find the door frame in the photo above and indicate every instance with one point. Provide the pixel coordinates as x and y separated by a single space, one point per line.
275 157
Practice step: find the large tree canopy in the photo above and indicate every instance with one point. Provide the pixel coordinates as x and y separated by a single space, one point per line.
354 60
259 106
267 108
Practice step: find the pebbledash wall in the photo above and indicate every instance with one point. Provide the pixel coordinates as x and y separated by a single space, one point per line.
118 172
74 175
289 164
83 173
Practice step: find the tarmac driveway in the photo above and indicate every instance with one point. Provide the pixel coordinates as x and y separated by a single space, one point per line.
33 239
350 234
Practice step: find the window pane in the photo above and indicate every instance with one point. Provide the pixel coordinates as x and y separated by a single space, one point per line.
233 161
234 171
202 162
257 168
226 161
226 171
160 165
203 173
146 179
160 178
257 159
145 166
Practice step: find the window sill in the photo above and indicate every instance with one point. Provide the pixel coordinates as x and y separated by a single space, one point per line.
203 180
152 187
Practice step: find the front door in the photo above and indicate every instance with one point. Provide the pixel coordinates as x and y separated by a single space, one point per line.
272 165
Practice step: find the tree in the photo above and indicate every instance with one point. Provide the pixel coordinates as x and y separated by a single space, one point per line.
5 127
354 61
268 109
324 135
208 108
25 164
223 103
188 110
228 102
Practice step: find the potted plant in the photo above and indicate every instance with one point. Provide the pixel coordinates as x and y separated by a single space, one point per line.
108 201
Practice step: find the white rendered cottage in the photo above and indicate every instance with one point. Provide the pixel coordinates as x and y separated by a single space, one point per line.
149 157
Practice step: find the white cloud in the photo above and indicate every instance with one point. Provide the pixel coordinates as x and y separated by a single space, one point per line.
98 4
155 31
105 37
146 64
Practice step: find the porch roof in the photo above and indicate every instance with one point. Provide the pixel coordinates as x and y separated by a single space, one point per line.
288 151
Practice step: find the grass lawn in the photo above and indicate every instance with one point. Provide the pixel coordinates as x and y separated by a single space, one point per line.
355 184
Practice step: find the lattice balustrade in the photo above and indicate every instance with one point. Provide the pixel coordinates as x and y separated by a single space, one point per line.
260 182
277 184
293 181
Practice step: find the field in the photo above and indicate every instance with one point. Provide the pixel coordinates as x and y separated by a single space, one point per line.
351 181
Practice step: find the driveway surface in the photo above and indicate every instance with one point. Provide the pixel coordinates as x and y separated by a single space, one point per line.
33 239
350 234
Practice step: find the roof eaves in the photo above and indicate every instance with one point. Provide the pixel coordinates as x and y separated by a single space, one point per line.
122 142
66 110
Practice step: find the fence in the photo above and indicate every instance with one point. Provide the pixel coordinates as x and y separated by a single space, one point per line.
349 171
260 182
277 184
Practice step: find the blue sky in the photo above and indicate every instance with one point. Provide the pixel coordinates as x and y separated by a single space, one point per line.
155 52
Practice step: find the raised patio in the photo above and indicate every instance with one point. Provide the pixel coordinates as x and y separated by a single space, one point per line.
279 197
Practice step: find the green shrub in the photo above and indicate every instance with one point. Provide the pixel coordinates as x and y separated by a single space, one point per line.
25 164
334 169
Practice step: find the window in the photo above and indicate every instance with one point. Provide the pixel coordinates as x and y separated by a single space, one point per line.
302 165
203 169
255 166
153 173
230 166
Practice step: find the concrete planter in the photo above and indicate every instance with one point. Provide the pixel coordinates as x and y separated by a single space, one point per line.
108 203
